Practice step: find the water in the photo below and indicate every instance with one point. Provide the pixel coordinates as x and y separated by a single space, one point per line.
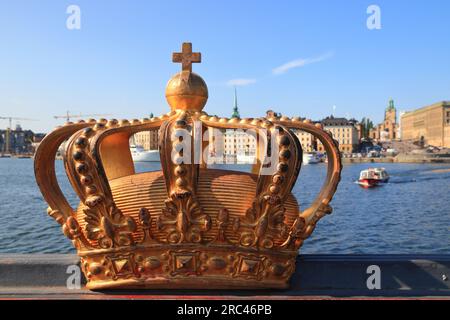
411 214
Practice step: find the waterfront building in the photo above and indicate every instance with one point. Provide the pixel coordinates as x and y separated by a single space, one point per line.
399 130
16 141
388 129
306 139
344 131
428 125
359 129
147 139
239 142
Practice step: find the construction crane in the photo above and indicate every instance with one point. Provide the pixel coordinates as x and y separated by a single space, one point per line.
8 130
69 116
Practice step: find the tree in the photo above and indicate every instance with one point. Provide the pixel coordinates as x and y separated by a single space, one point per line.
366 125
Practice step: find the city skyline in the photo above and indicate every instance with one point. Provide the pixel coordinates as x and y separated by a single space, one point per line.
297 58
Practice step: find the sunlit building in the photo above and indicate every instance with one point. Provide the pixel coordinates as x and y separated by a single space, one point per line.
430 125
344 131
307 140
16 141
147 139
388 129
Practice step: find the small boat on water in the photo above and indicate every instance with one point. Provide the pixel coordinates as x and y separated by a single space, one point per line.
372 177
140 155
310 158
245 159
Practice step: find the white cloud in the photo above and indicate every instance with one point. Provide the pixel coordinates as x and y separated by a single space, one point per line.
300 63
240 82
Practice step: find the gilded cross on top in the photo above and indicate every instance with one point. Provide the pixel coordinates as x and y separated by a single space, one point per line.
186 57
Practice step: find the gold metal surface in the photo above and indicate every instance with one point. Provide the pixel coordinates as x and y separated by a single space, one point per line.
186 226
186 57
186 90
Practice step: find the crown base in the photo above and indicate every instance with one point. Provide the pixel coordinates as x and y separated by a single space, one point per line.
217 267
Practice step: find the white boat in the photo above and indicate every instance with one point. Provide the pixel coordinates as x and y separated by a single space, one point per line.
373 154
245 159
310 158
372 177
140 155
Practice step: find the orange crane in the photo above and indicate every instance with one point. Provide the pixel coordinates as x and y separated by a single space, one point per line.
8 130
69 116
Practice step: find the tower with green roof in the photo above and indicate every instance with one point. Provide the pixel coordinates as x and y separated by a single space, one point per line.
390 115
235 113
390 105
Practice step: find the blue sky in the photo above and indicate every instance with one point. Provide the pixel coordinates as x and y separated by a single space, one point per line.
120 60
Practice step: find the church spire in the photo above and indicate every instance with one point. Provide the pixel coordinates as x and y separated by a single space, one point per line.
235 113
391 104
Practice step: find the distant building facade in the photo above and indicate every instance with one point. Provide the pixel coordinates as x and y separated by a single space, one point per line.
359 129
147 139
430 124
344 131
399 130
388 129
306 139
239 142
16 141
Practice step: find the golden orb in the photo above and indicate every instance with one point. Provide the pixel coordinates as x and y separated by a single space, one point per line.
186 91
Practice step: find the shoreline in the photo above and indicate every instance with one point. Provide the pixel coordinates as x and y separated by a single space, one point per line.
399 159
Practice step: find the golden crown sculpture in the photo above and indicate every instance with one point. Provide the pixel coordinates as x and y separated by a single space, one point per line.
187 226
